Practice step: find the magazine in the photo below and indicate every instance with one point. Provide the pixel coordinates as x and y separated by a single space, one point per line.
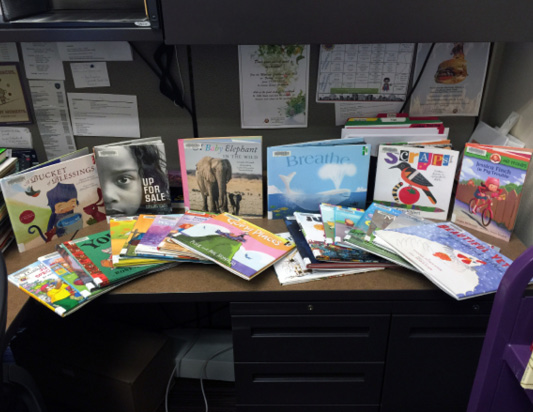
223 174
53 201
490 188
419 179
456 261
133 176
302 176
235 244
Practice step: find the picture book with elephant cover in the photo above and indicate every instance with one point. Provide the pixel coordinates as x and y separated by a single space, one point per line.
235 244
453 259
301 176
133 176
418 179
49 202
222 174
489 190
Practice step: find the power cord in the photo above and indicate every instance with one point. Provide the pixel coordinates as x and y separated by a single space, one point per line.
204 372
177 368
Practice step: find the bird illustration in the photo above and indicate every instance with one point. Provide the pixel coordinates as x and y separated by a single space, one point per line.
413 177
33 193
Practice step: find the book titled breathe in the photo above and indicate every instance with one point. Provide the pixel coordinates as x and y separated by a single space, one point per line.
235 244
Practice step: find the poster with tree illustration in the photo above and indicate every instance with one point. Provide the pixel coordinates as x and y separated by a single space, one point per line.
419 179
274 83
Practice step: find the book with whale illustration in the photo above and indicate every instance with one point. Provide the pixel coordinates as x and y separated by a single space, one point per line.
301 176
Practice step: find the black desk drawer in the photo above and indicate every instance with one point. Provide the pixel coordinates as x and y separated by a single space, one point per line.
307 408
309 383
318 338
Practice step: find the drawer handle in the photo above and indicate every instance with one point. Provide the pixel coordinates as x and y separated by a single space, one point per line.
446 333
306 378
310 333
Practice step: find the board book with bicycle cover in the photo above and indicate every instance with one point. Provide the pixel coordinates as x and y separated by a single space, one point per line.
490 186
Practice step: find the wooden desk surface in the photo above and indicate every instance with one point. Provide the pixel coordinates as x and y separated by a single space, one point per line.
200 282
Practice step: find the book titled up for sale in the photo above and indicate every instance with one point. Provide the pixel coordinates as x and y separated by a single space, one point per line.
134 178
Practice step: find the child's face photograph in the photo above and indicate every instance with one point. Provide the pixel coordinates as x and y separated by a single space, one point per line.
121 184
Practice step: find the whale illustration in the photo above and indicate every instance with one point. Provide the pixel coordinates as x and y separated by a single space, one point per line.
310 201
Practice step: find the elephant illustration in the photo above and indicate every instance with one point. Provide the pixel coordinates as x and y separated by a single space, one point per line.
212 176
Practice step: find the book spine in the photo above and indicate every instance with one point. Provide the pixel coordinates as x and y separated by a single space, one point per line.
184 177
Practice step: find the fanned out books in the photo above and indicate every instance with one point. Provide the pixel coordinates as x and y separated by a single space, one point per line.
91 255
169 246
395 129
133 176
490 188
53 200
301 176
292 269
307 232
362 235
223 174
453 259
418 179
235 244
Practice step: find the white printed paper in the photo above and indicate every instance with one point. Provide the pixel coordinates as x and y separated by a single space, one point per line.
8 52
41 61
104 114
90 75
51 112
19 137
364 72
95 51
274 83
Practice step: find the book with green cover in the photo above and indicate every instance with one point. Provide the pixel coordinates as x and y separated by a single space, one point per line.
92 254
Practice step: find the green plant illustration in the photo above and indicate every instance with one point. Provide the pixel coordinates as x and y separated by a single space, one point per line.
280 63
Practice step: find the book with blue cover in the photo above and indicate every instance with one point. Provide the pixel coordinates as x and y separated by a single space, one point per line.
302 176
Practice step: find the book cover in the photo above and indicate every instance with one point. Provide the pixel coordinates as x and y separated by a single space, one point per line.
327 213
292 269
312 263
222 174
120 228
345 219
302 176
93 254
156 233
133 176
169 246
416 179
53 201
79 281
456 261
142 224
46 287
361 236
235 244
490 187
313 231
